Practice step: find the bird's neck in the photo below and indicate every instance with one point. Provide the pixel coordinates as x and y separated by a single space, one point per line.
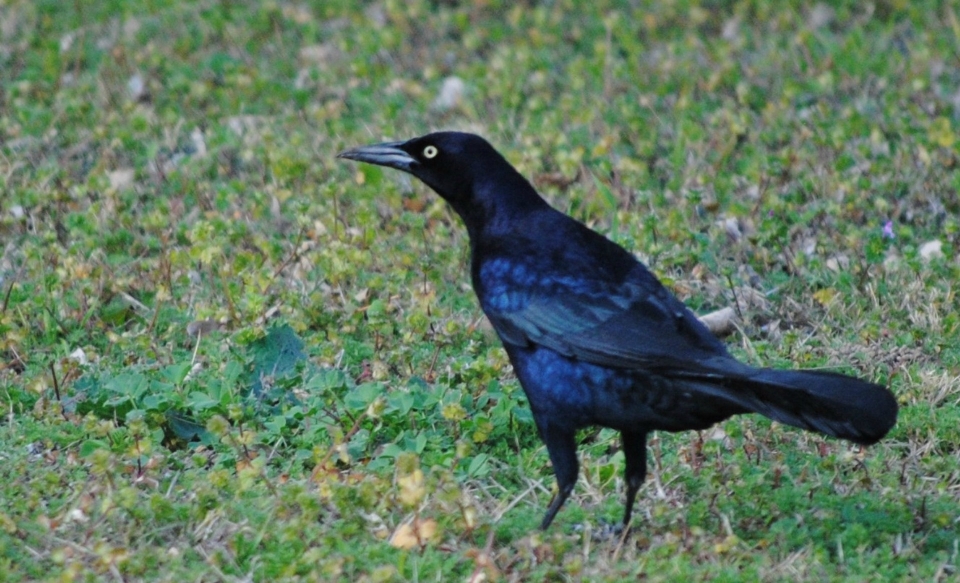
500 205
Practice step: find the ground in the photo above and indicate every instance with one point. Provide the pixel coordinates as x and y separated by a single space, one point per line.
227 355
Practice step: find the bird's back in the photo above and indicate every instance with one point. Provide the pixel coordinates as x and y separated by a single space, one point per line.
583 286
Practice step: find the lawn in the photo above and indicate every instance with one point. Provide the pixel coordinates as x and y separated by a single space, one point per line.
226 355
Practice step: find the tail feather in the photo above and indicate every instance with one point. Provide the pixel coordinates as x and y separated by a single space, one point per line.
826 402
830 403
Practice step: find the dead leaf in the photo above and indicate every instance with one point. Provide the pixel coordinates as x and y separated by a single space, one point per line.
415 533
121 179
451 94
202 327
931 250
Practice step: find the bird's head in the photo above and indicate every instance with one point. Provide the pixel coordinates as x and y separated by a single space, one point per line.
445 161
462 168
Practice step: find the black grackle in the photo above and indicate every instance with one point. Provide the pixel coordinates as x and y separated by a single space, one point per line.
594 337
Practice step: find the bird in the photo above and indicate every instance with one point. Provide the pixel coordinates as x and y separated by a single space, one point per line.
594 338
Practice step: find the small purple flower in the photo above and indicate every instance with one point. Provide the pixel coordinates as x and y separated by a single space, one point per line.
888 230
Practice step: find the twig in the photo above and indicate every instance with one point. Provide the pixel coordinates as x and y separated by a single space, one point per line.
482 559
56 390
6 298
623 537
736 300
17 356
133 302
433 361
156 314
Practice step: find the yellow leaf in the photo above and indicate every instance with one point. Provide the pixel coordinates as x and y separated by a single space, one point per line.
726 545
941 133
825 296
412 489
454 412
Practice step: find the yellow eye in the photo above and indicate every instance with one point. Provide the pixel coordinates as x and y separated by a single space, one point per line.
429 152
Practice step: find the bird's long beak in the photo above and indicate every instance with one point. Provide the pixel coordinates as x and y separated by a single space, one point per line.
387 154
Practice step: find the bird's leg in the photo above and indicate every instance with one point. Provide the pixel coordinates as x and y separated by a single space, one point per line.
562 447
635 454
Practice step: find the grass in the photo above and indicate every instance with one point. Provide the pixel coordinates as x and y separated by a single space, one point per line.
225 355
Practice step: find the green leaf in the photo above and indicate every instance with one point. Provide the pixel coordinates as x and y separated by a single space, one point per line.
326 380
479 466
186 428
276 423
361 396
274 355
91 445
201 401
175 373
400 402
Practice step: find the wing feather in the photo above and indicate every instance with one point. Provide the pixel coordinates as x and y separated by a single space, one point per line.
635 324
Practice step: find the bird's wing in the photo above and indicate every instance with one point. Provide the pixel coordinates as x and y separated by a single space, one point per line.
634 324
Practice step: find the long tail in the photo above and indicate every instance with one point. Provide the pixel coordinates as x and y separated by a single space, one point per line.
826 402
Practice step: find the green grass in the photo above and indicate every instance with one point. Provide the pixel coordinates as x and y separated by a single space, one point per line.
344 383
